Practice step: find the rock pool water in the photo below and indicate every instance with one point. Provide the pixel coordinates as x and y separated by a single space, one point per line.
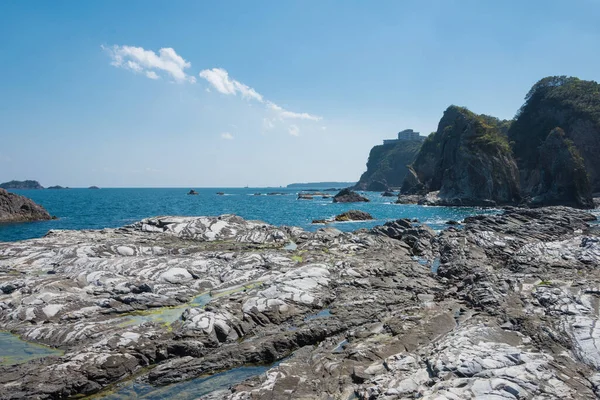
13 350
321 314
187 390
164 315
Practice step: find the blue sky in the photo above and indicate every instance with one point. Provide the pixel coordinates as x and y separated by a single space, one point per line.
264 92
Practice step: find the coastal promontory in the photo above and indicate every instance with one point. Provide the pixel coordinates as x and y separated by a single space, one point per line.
467 161
387 165
547 155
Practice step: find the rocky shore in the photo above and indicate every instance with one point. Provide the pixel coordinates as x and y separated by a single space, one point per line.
504 308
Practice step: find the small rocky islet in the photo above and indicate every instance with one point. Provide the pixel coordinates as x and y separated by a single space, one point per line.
17 208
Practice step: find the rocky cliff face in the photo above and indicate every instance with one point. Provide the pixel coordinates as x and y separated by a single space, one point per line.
561 176
480 160
568 103
15 208
387 165
468 160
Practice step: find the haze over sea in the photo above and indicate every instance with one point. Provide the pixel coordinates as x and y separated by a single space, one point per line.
111 208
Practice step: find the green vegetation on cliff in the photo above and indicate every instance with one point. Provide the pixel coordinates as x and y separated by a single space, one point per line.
568 103
468 160
387 165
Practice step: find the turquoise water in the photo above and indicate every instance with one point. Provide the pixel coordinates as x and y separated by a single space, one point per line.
188 390
13 350
111 208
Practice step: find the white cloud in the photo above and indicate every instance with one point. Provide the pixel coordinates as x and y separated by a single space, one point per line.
226 136
139 60
323 128
295 115
294 130
285 114
219 79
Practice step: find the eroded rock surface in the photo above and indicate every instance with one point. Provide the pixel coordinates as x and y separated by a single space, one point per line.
511 313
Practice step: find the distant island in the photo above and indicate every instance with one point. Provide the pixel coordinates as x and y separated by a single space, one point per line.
93 187
28 184
56 187
339 185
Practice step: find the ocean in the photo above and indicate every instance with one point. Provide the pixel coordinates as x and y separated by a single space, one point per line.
111 208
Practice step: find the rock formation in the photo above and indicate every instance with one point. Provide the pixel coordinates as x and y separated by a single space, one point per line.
16 208
480 160
468 161
348 196
387 165
561 174
568 103
503 308
21 185
352 215
573 106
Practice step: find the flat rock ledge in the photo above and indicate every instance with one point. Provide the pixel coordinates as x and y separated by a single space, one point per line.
511 311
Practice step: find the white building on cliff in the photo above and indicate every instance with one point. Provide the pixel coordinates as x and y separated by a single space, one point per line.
405 135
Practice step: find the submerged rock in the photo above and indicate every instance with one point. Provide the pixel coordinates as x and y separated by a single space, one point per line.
16 208
352 215
348 196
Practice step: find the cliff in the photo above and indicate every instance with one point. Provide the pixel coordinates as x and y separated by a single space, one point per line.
16 208
21 185
387 165
560 174
468 161
568 103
